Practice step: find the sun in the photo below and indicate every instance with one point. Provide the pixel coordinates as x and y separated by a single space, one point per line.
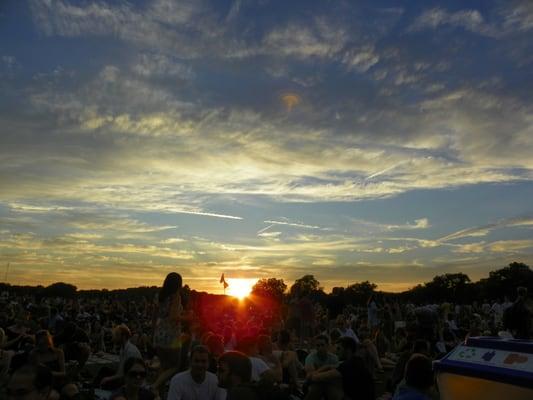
240 287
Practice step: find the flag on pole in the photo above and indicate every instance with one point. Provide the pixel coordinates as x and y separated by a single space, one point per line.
223 281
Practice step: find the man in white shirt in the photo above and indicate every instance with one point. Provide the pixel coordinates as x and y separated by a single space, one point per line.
196 383
497 313
344 328
260 370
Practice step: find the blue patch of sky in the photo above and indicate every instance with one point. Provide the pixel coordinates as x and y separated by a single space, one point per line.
448 210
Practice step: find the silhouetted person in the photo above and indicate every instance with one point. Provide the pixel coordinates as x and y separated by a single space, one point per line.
30 382
234 375
418 379
517 318
349 380
166 323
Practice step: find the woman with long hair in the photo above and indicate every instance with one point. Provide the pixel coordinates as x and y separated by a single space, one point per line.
167 328
47 354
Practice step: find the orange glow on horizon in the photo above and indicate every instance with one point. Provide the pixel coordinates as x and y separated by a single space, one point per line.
240 287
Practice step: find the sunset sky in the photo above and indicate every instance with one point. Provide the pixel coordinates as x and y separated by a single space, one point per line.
374 140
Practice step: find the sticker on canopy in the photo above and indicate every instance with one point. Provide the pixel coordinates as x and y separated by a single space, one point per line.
493 358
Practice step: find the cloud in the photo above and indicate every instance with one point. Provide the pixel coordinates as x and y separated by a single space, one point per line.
360 60
29 208
160 65
475 248
65 248
321 39
269 234
511 18
163 24
510 246
108 155
471 20
518 16
173 240
8 66
422 223
486 229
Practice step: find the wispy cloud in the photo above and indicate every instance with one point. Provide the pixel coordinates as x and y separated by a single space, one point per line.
173 240
518 15
29 208
143 159
469 19
269 234
506 246
486 229
421 223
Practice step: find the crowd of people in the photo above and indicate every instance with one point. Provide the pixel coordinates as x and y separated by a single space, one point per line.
178 348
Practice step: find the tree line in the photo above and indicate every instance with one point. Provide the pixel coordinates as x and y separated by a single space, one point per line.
449 287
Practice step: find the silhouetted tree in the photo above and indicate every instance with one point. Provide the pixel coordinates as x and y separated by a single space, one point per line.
358 293
305 286
504 281
271 287
59 289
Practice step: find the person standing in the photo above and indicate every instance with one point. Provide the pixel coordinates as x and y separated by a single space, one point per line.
372 314
166 324
517 318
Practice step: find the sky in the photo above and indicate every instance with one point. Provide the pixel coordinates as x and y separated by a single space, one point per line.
388 141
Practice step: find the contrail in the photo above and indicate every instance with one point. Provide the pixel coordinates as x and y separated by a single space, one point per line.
265 229
206 214
384 170
293 224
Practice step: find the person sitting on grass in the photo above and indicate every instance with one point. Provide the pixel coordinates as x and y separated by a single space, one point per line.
31 382
121 335
349 380
196 382
134 376
418 379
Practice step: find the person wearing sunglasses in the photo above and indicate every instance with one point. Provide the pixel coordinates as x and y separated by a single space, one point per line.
134 377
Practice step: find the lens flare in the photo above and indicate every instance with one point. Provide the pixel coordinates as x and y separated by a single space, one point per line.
290 100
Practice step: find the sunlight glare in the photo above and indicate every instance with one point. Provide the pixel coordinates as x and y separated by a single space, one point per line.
240 287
